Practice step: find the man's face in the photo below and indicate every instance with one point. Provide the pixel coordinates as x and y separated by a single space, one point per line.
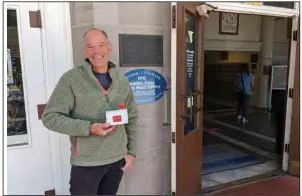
97 48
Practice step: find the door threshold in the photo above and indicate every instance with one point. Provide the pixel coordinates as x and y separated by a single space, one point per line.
210 190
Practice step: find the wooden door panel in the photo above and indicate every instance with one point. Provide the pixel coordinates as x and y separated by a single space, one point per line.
294 150
190 66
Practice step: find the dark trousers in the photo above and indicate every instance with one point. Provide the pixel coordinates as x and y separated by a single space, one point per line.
279 119
242 102
98 180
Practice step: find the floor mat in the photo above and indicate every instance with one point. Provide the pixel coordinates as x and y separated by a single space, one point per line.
221 157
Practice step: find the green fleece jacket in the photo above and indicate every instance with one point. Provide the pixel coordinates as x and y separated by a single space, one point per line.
77 101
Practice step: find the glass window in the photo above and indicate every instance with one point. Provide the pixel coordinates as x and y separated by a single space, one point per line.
16 116
191 70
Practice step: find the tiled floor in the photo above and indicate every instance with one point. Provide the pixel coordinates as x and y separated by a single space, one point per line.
210 106
215 179
259 132
262 142
266 127
281 185
251 138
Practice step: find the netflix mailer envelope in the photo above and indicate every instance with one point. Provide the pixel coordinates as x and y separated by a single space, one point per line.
117 117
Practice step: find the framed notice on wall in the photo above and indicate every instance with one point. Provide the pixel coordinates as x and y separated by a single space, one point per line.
141 50
278 81
228 23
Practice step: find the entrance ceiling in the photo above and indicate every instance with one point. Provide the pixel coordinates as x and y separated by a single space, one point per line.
254 10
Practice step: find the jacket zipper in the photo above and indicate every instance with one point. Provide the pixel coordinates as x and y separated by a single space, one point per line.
106 91
75 153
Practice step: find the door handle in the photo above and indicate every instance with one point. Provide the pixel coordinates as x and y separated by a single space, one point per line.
197 93
191 100
194 94
184 116
191 105
198 110
190 114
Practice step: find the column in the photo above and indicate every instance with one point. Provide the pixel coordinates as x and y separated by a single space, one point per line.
266 59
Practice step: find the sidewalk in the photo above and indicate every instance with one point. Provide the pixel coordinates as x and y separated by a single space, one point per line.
280 185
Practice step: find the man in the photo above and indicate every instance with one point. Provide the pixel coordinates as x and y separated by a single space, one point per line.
100 153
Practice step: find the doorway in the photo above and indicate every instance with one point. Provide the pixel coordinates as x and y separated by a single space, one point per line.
241 152
230 145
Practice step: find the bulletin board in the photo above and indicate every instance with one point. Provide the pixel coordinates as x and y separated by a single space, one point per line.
278 80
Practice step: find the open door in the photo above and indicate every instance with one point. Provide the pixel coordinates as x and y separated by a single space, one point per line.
291 144
294 146
187 60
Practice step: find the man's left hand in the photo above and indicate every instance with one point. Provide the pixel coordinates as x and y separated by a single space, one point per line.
129 162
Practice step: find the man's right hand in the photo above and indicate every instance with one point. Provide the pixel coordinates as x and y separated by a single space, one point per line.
100 129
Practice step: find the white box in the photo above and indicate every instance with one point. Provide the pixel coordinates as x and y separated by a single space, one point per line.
117 117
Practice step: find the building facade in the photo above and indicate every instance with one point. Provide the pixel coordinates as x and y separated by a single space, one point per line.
50 42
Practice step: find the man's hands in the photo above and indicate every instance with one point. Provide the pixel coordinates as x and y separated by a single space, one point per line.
100 129
129 162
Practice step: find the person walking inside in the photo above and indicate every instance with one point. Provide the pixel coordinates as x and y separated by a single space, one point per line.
244 82
100 153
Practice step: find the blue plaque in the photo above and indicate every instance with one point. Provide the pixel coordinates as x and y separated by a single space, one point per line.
147 85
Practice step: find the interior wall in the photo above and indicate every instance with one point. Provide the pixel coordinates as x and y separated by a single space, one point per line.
281 43
249 31
249 28
152 171
225 74
233 57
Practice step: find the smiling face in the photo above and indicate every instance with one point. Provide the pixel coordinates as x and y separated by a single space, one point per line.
97 48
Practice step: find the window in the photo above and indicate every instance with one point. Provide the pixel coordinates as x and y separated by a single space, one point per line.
16 115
